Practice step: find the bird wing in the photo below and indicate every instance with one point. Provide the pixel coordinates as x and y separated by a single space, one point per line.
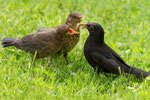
38 41
97 67
109 64
114 54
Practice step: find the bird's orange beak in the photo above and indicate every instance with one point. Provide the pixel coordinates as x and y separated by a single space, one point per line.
83 25
71 32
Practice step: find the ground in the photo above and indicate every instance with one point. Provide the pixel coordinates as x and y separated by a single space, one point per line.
127 31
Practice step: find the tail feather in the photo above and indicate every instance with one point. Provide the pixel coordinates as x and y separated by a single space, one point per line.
7 42
139 72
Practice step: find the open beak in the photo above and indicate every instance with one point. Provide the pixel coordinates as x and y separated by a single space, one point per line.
71 32
83 25
79 18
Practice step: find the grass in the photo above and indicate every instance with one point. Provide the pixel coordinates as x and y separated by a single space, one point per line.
127 29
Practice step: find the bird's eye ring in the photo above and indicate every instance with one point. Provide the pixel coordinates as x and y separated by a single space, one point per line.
91 27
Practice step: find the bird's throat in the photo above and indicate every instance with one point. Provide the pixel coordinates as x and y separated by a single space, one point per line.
97 38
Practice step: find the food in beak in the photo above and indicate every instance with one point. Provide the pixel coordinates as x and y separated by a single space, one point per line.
83 25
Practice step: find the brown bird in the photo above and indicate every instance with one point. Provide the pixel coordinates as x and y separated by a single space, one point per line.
70 41
45 43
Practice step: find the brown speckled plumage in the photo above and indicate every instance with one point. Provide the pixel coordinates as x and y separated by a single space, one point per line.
70 41
45 43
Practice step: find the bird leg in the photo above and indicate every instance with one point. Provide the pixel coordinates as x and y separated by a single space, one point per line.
49 64
44 60
48 61
66 58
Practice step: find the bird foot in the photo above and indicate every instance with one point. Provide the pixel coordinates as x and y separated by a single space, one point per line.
49 64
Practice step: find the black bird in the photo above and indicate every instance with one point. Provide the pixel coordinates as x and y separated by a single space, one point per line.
102 58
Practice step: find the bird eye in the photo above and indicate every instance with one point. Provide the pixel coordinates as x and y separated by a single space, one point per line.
74 17
91 27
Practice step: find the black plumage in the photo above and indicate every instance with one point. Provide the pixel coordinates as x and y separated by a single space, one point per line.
102 58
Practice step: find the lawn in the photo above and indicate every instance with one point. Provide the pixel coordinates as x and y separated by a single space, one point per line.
127 31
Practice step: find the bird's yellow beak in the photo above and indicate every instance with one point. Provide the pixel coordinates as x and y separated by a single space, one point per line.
71 32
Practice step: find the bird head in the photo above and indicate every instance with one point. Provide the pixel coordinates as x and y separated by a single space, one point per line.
73 19
96 31
93 28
